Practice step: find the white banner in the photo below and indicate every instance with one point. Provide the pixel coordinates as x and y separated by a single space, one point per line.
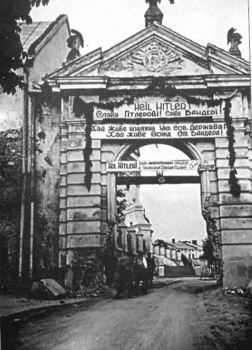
150 110
158 131
160 166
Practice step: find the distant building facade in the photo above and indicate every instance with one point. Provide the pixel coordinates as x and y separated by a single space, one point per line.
172 253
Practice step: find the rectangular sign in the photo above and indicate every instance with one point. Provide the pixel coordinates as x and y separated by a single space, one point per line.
156 110
158 131
160 166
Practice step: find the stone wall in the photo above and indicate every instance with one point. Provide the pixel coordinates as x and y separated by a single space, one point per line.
46 182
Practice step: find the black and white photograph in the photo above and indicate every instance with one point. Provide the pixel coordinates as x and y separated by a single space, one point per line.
125 175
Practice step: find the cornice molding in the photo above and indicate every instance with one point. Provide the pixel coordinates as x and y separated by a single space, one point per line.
141 83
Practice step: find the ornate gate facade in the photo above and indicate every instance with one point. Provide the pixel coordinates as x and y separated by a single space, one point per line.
154 87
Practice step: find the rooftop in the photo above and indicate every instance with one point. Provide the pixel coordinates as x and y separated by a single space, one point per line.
31 32
179 245
32 35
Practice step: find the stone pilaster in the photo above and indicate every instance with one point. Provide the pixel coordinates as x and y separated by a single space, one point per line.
235 222
62 196
80 209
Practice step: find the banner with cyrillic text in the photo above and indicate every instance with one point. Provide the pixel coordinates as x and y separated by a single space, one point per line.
158 131
160 166
150 110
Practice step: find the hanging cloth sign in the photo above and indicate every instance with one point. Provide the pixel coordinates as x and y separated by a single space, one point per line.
158 131
146 110
160 166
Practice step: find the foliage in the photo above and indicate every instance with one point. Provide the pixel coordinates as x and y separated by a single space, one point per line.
121 206
40 246
10 230
88 149
109 257
87 269
208 251
233 182
81 108
12 54
120 216
10 180
10 193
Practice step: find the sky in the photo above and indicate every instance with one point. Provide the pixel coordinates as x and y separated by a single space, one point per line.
104 23
173 210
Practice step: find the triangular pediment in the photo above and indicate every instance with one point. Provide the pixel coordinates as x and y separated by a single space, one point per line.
155 51
154 57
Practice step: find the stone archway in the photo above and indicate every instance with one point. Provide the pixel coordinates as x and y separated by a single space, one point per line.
106 99
186 147
86 210
84 213
193 153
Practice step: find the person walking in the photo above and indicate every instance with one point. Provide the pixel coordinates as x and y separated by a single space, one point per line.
124 273
151 267
140 274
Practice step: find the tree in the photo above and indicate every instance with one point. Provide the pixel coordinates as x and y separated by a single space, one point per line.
121 206
12 54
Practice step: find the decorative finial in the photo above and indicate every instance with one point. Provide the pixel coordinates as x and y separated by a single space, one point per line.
153 14
235 40
74 42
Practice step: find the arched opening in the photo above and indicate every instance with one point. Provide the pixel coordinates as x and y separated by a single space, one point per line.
185 147
173 208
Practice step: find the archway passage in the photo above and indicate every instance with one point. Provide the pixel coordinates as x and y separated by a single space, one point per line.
181 188
172 206
87 212
159 152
